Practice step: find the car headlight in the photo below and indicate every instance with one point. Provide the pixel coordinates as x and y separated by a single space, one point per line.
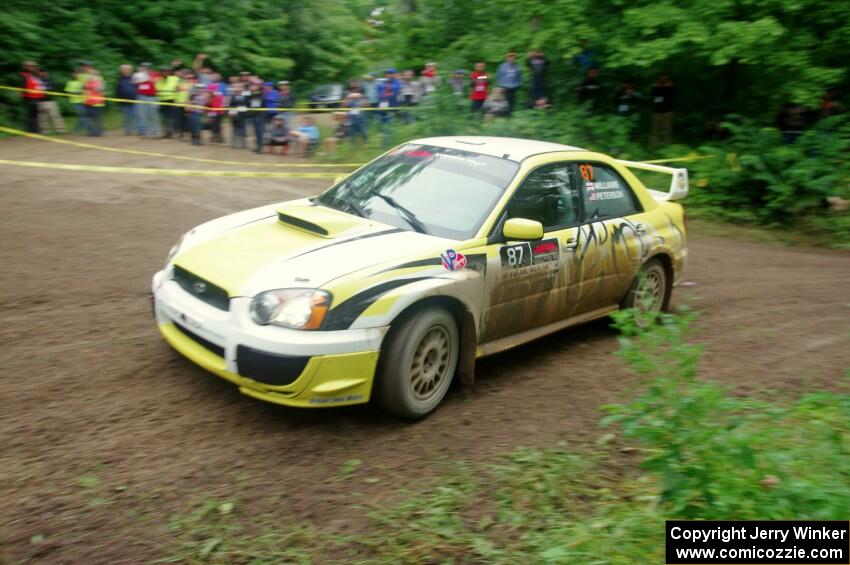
296 308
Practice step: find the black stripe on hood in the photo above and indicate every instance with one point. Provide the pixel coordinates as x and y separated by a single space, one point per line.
342 316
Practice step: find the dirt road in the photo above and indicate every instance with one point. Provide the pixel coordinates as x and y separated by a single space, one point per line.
105 432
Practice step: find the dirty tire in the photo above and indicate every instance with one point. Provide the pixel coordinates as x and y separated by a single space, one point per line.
650 292
418 364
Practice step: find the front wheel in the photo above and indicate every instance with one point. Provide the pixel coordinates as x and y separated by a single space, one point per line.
650 292
418 364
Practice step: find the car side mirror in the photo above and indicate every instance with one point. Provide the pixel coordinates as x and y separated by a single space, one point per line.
521 229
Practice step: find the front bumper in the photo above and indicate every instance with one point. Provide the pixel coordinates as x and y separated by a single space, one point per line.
279 365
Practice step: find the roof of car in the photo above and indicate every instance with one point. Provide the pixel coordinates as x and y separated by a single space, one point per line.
512 148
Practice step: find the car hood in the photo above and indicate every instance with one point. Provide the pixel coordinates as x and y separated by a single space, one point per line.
301 246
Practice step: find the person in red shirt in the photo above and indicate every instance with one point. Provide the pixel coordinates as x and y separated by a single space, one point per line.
32 95
480 86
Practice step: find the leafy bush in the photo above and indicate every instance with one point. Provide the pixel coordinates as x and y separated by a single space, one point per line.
719 456
754 176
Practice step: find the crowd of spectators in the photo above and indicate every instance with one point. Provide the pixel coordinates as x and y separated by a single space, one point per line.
183 101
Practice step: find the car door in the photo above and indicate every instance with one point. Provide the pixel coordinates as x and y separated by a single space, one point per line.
610 241
530 284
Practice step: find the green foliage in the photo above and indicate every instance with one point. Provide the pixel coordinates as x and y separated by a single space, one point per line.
755 177
708 455
720 456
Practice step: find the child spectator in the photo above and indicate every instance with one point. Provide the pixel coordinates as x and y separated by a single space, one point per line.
496 104
627 99
480 86
278 134
306 136
458 82
339 133
94 101
430 80
215 103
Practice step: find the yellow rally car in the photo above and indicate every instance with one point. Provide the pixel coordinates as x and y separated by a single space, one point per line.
398 277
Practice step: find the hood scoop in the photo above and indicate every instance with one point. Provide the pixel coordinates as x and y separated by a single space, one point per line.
319 220
301 224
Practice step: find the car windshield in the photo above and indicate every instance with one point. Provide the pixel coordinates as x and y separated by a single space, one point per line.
435 190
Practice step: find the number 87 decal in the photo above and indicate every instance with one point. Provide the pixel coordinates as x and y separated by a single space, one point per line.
515 256
586 172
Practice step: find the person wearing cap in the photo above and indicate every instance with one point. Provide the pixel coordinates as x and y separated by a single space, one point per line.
74 87
146 95
166 91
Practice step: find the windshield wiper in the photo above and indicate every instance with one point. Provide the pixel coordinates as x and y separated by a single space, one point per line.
350 204
409 216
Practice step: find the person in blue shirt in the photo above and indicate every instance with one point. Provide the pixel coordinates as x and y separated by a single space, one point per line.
509 79
306 136
126 90
271 99
586 59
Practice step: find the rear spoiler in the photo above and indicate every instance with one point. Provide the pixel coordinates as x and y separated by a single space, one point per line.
678 184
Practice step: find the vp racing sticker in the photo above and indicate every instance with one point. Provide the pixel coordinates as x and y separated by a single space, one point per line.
452 260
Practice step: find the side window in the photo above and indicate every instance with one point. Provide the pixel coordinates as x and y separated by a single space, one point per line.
605 194
549 195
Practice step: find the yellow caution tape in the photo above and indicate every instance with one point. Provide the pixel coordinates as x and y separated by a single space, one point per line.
168 172
14 131
307 110
679 159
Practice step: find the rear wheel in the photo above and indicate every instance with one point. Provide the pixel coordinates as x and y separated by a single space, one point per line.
418 364
650 293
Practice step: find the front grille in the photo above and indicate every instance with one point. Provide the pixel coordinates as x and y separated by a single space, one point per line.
217 349
202 289
269 368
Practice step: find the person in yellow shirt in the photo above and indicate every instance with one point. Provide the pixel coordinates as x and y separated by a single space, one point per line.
166 91
74 86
